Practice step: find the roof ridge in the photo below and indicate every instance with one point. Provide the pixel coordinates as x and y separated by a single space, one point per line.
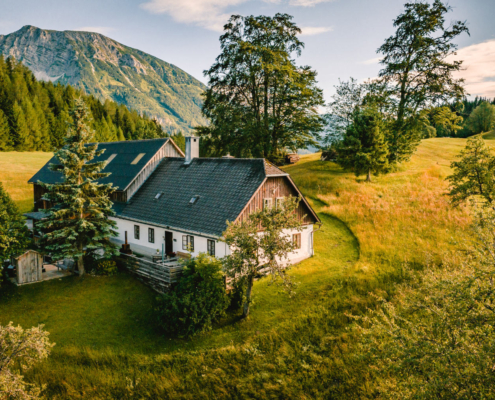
130 141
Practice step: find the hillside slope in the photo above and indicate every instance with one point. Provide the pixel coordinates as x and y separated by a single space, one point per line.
109 70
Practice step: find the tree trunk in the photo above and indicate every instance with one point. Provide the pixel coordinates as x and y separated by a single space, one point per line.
245 313
368 178
80 262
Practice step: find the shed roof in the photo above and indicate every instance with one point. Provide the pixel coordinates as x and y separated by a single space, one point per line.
223 186
124 166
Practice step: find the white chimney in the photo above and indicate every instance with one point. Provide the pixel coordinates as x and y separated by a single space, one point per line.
192 148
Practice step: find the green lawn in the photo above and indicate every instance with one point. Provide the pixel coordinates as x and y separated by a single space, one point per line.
289 347
16 168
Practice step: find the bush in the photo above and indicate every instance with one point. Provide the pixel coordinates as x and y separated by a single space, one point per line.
197 301
96 265
329 154
105 267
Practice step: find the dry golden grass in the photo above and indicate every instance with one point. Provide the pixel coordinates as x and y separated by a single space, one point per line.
401 217
16 168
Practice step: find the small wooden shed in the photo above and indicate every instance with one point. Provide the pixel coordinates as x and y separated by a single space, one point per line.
29 267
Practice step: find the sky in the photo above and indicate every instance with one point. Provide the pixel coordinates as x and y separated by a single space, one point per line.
340 36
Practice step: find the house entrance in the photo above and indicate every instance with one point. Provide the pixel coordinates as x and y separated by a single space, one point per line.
169 242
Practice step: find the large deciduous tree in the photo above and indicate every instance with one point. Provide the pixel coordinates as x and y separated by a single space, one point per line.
258 100
363 149
482 119
419 70
79 219
262 242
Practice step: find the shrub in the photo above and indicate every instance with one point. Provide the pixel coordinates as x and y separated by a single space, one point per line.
105 267
198 299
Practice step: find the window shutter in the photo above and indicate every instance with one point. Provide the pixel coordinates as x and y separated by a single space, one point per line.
296 239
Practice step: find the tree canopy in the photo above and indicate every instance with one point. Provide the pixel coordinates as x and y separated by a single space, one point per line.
14 235
261 242
258 101
482 119
419 71
473 174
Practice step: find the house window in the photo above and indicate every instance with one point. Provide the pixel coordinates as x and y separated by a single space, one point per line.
136 232
211 247
296 239
267 203
279 202
188 243
151 235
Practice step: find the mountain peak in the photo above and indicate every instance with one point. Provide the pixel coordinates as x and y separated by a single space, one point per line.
109 70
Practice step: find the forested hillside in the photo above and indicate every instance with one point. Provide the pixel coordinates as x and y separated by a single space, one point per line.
110 71
34 114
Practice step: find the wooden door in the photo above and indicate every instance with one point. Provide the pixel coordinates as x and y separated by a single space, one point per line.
169 242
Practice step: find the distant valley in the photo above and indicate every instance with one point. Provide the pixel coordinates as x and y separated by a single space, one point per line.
110 70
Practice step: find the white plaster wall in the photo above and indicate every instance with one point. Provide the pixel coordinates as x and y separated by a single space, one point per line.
306 249
200 242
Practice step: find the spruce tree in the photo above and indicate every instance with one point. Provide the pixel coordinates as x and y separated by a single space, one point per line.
5 142
79 219
364 149
19 126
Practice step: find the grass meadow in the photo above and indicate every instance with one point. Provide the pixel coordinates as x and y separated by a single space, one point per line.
16 168
295 347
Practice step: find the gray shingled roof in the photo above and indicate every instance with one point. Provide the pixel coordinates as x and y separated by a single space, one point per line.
224 187
121 169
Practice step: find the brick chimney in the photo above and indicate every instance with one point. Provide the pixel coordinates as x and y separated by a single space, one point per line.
192 148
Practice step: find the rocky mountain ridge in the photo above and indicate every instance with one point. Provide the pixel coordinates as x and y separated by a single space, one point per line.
109 70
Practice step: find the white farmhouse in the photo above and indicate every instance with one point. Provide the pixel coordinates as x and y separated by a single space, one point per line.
181 203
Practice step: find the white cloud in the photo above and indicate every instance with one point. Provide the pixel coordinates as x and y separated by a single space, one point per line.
206 13
478 68
104 30
315 30
371 61
307 3
211 14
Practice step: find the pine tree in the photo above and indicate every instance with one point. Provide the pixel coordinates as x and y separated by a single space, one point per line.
364 149
79 219
120 135
5 141
19 126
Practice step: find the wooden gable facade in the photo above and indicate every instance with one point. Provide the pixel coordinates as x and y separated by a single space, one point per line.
278 187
